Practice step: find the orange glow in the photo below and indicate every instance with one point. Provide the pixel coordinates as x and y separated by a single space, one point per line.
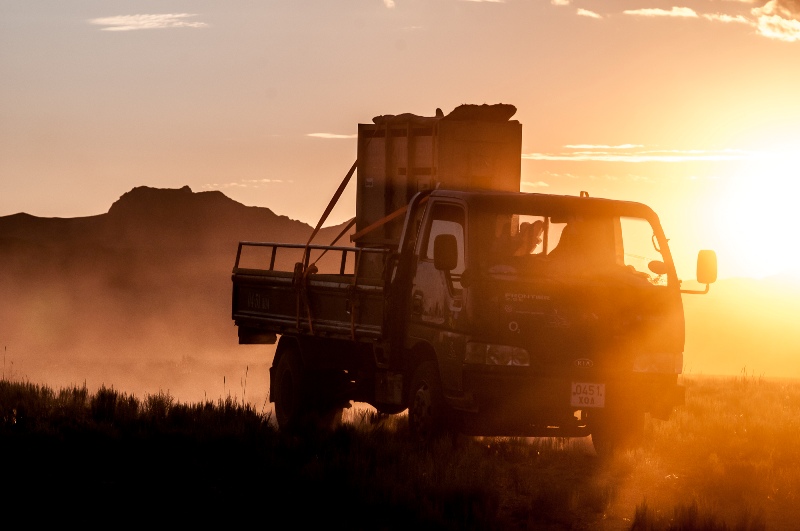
756 218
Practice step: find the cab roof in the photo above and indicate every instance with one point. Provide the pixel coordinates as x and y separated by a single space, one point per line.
549 204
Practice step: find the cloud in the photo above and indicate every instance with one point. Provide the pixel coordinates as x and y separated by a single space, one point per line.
602 146
778 19
245 183
555 176
681 12
603 154
331 135
389 4
587 13
720 17
140 22
775 27
788 9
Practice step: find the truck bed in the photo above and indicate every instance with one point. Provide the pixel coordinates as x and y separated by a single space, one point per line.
274 299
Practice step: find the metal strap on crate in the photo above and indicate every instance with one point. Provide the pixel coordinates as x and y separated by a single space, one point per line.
333 202
344 231
300 283
355 303
302 272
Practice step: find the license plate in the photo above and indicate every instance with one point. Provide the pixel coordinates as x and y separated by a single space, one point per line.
588 395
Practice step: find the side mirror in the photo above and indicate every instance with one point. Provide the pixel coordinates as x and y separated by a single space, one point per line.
706 267
658 267
445 252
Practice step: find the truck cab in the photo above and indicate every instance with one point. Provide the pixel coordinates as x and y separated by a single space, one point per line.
565 332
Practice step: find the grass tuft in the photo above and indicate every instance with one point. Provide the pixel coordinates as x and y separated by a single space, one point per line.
689 518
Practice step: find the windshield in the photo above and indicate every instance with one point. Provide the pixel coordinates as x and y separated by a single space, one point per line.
527 245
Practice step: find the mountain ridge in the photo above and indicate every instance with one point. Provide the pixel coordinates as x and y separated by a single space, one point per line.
176 211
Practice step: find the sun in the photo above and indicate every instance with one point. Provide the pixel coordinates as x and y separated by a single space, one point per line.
757 218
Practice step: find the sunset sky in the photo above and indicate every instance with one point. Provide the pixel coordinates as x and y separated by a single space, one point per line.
692 107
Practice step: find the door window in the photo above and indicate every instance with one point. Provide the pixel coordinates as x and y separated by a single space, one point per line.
447 219
639 250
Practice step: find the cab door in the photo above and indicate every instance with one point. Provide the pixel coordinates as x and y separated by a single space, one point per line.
437 297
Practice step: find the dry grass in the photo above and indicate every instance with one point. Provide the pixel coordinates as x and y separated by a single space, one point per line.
727 460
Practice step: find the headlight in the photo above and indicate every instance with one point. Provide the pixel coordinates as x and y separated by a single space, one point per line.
488 354
658 362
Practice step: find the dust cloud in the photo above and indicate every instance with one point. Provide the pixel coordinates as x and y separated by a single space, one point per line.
138 299
158 336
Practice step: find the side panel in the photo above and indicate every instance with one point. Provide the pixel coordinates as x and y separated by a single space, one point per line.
331 304
398 159
479 155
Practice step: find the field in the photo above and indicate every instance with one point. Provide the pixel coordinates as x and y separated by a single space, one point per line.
728 459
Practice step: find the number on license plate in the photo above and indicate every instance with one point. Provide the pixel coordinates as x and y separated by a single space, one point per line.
588 395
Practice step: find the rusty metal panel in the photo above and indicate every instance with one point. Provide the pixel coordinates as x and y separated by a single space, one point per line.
479 155
399 157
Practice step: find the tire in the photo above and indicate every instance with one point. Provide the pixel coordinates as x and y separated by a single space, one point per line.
298 409
287 389
616 430
428 414
389 409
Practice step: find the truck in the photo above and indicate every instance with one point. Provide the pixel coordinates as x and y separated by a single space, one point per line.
480 309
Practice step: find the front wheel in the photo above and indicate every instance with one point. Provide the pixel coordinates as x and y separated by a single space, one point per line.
616 429
389 409
428 413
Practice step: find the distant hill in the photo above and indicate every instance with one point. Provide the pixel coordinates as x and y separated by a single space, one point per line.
161 217
149 279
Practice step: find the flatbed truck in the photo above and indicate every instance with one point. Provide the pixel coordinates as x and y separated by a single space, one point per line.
435 309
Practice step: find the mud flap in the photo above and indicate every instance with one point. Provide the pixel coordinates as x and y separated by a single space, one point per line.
675 396
389 387
252 336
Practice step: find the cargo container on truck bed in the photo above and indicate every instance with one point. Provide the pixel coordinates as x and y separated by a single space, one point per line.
487 312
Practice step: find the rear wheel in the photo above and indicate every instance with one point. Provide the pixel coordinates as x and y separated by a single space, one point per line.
299 407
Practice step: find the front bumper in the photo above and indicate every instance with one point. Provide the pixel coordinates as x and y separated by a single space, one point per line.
518 396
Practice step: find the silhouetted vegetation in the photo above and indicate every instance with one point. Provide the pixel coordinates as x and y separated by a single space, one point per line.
727 461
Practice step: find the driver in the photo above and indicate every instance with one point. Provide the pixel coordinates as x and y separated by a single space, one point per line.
530 236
